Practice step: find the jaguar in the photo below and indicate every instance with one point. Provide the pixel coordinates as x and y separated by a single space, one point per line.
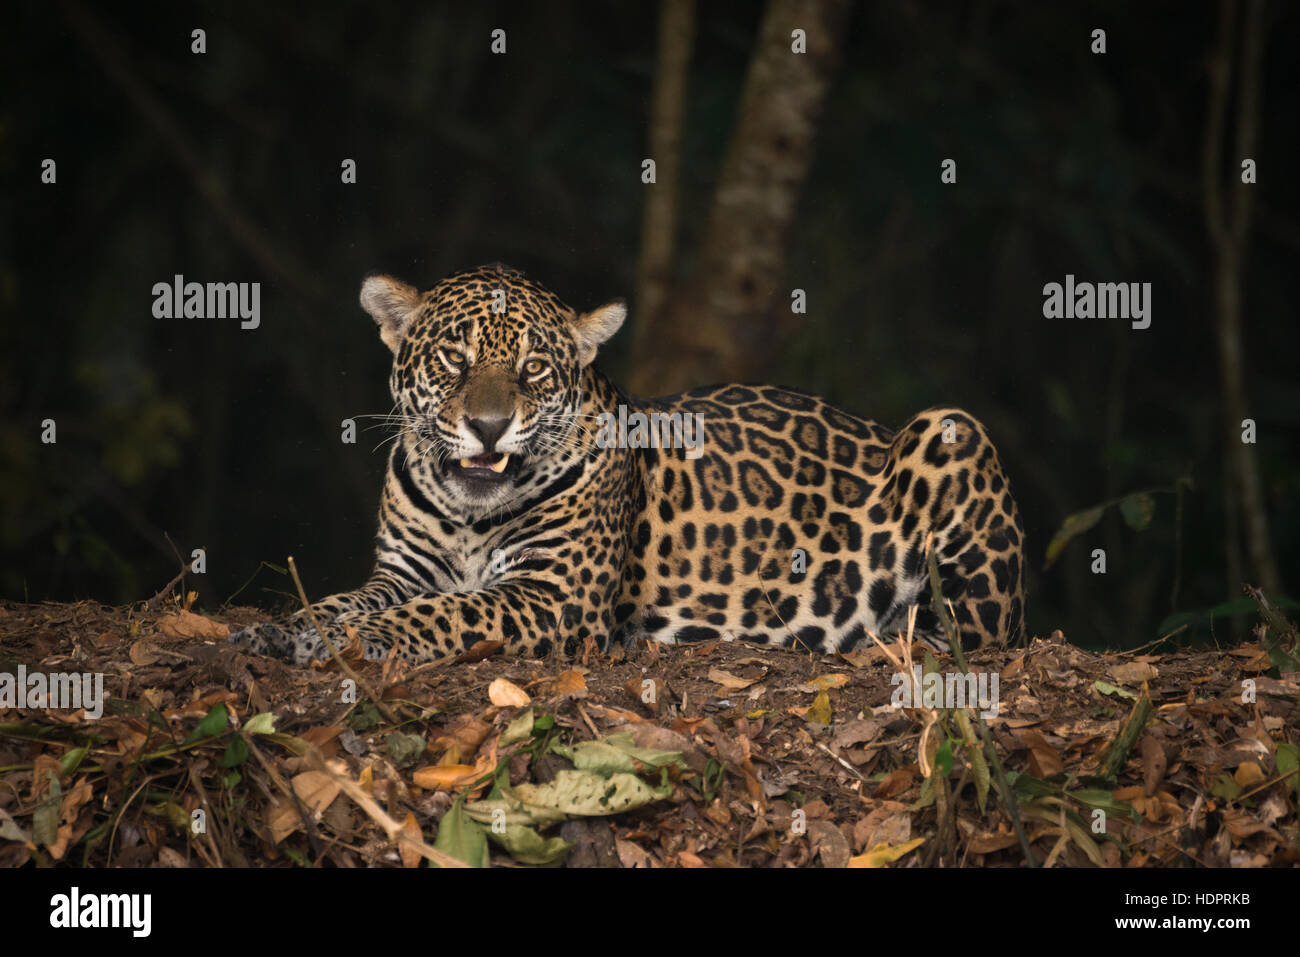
530 500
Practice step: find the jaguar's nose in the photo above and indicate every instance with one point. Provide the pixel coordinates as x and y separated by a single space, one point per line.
488 431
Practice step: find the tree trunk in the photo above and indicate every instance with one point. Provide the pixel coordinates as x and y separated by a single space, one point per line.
1230 237
721 324
659 224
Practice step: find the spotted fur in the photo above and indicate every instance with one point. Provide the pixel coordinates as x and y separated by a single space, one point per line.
796 524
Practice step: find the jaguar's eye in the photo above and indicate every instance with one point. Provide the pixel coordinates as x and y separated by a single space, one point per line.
453 359
534 368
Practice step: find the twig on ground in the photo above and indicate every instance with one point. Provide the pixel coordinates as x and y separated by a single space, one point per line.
347 669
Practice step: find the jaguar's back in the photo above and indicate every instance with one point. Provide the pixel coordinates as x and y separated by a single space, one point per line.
801 523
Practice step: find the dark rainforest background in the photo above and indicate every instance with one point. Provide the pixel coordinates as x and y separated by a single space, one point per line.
774 172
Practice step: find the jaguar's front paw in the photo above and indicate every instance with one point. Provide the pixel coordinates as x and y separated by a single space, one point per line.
297 643
264 639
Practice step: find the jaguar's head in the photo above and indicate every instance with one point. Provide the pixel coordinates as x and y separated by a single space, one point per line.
487 371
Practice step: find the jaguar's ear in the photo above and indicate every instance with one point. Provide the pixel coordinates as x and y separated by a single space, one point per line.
591 329
391 303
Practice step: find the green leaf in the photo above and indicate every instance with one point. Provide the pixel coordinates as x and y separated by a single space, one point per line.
405 748
518 729
1104 799
213 723
1105 687
263 723
527 846
943 757
1027 785
461 837
1226 788
236 752
1075 524
71 761
927 795
616 753
45 819
1232 608
569 794
1137 509
365 718
1288 759
9 829
1282 659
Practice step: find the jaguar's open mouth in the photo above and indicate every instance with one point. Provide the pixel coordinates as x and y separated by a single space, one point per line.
494 467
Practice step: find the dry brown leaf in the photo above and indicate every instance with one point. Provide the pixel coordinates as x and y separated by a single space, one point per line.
618 714
689 726
189 626
323 736
466 736
863 657
829 842
507 694
571 683
631 854
1022 722
1044 761
717 813
820 712
411 857
199 707
315 789
445 777
898 782
1249 774
1241 825
884 855
648 691
282 819
153 697
1134 672
816 809
43 767
353 652
824 683
987 842
143 652
883 826
729 681
1154 764
857 731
